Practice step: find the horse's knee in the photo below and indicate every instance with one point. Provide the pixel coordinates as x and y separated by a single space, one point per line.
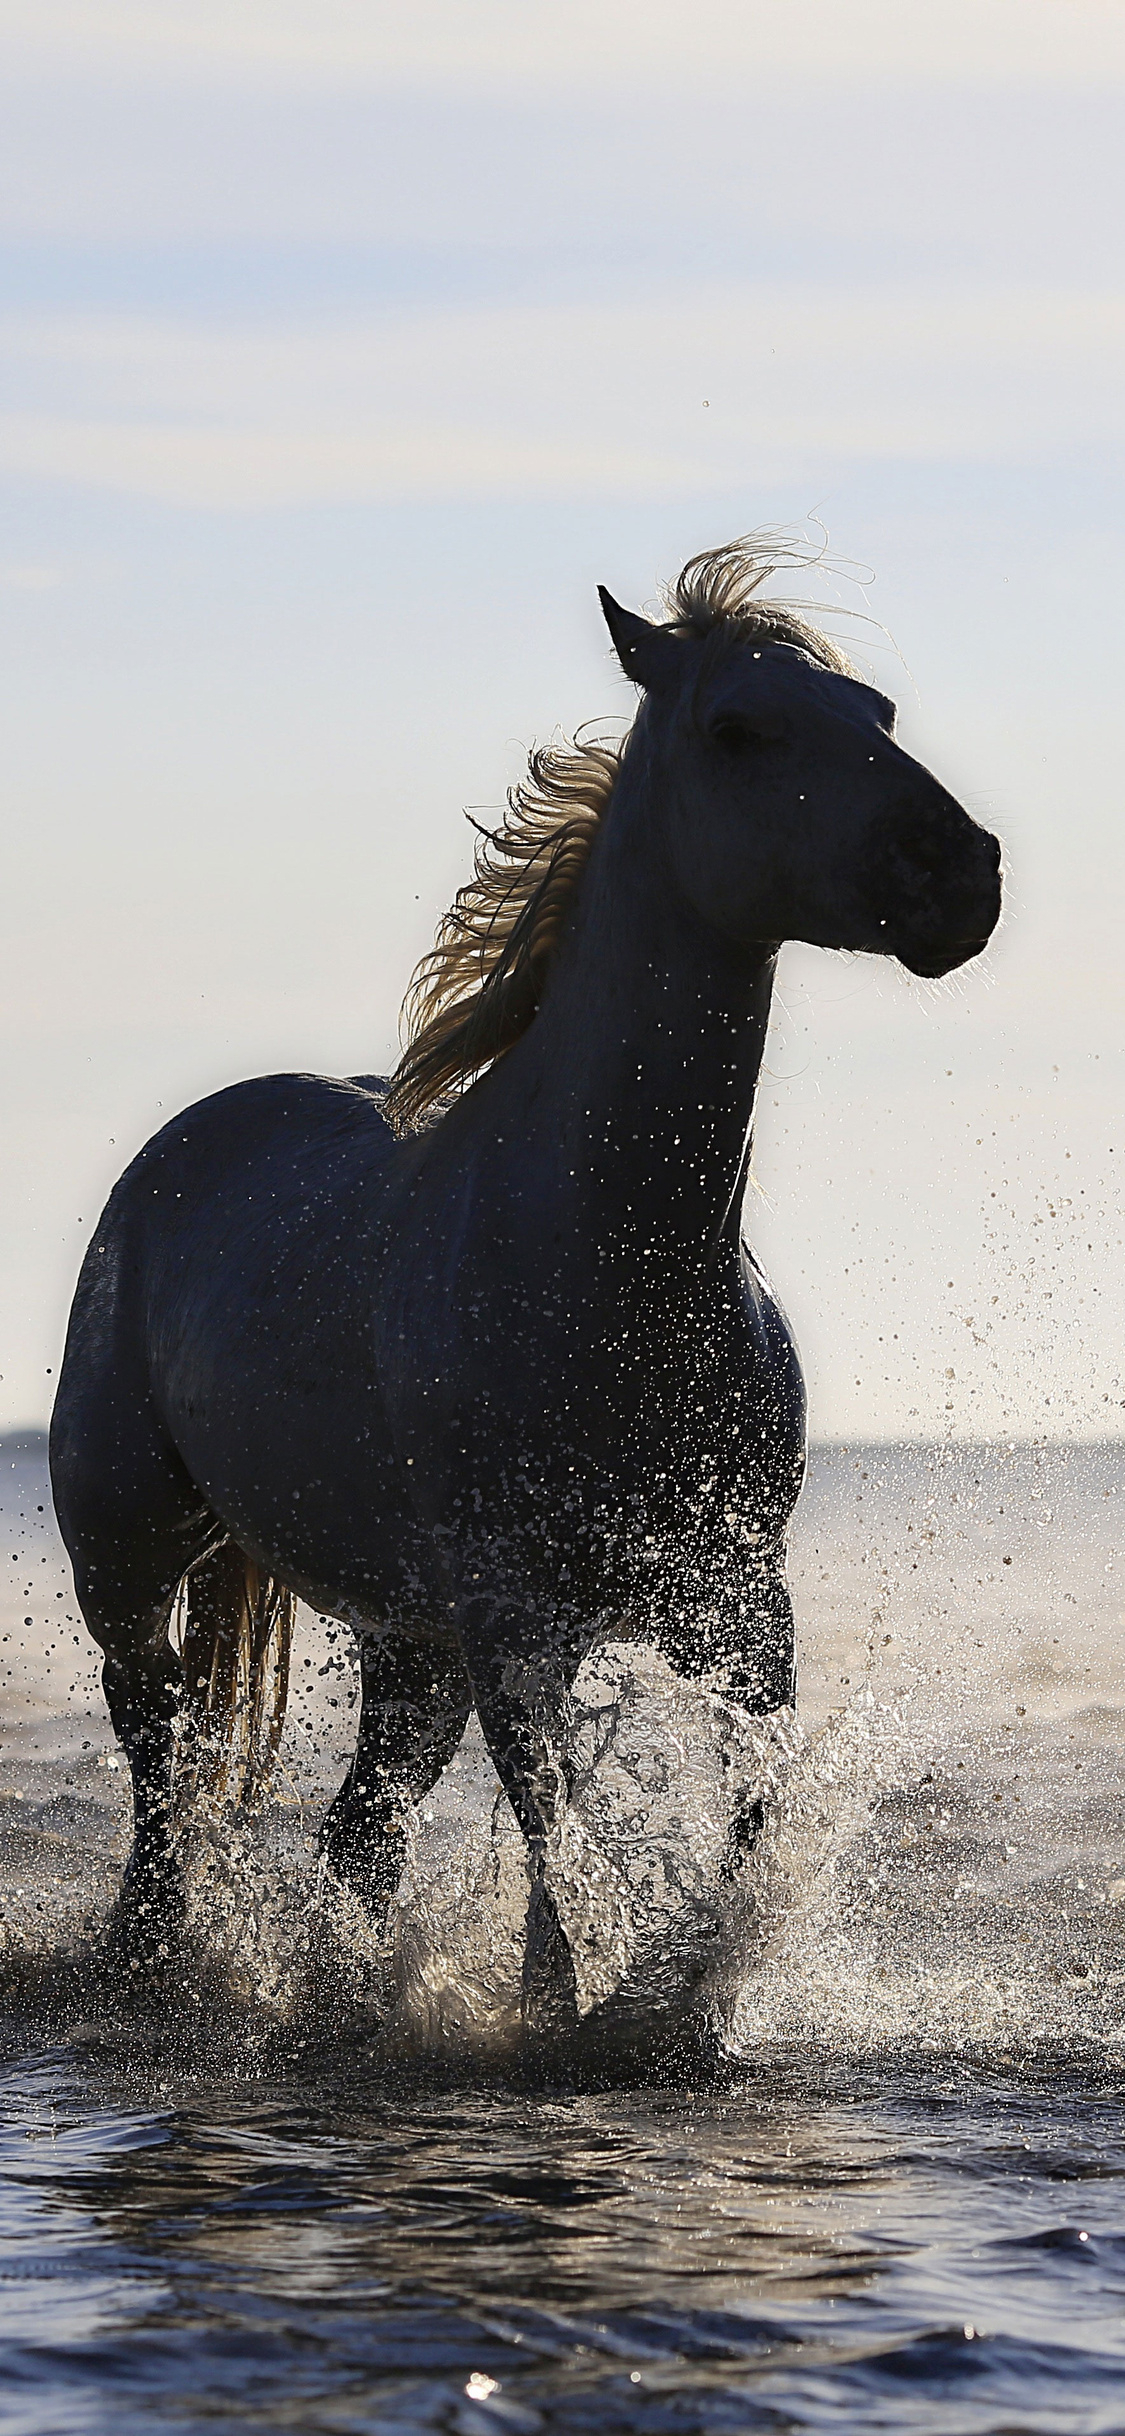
763 1679
747 1640
142 1691
415 1706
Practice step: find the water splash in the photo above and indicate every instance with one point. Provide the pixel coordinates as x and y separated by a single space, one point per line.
941 1866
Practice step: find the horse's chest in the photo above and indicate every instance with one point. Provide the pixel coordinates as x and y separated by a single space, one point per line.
582 1438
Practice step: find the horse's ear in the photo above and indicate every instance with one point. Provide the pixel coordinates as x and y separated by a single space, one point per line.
649 655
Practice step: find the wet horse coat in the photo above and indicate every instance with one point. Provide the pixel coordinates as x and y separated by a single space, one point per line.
497 1388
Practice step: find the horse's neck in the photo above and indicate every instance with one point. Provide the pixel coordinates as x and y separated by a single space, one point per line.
649 1045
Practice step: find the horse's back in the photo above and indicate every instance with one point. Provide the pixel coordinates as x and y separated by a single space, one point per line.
292 1121
260 1153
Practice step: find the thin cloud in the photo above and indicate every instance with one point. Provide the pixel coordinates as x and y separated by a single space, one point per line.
671 397
505 43
29 578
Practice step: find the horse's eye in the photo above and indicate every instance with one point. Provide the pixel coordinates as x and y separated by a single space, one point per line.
736 736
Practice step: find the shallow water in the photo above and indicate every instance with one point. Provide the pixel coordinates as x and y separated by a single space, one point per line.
840 2146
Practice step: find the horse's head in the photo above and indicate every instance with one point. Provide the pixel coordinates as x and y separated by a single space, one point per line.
790 810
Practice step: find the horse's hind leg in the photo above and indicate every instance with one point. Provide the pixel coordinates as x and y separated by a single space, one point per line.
133 1521
416 1703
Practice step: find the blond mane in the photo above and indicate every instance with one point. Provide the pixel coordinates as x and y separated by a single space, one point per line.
722 590
480 986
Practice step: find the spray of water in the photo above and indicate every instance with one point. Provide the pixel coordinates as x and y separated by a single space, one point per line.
940 1866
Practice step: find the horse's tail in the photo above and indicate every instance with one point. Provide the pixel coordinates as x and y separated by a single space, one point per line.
236 1637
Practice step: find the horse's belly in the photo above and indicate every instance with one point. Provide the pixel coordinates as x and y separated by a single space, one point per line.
371 1606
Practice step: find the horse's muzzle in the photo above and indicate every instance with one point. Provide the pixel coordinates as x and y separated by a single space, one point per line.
935 876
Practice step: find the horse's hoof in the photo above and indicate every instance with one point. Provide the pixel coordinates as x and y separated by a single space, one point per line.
550 1988
549 2013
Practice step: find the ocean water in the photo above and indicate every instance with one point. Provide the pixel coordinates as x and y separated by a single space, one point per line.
840 2145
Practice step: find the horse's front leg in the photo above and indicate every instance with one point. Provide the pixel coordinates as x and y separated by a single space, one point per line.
743 1634
520 1693
415 1707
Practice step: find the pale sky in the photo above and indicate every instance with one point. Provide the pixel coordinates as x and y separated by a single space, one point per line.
346 349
